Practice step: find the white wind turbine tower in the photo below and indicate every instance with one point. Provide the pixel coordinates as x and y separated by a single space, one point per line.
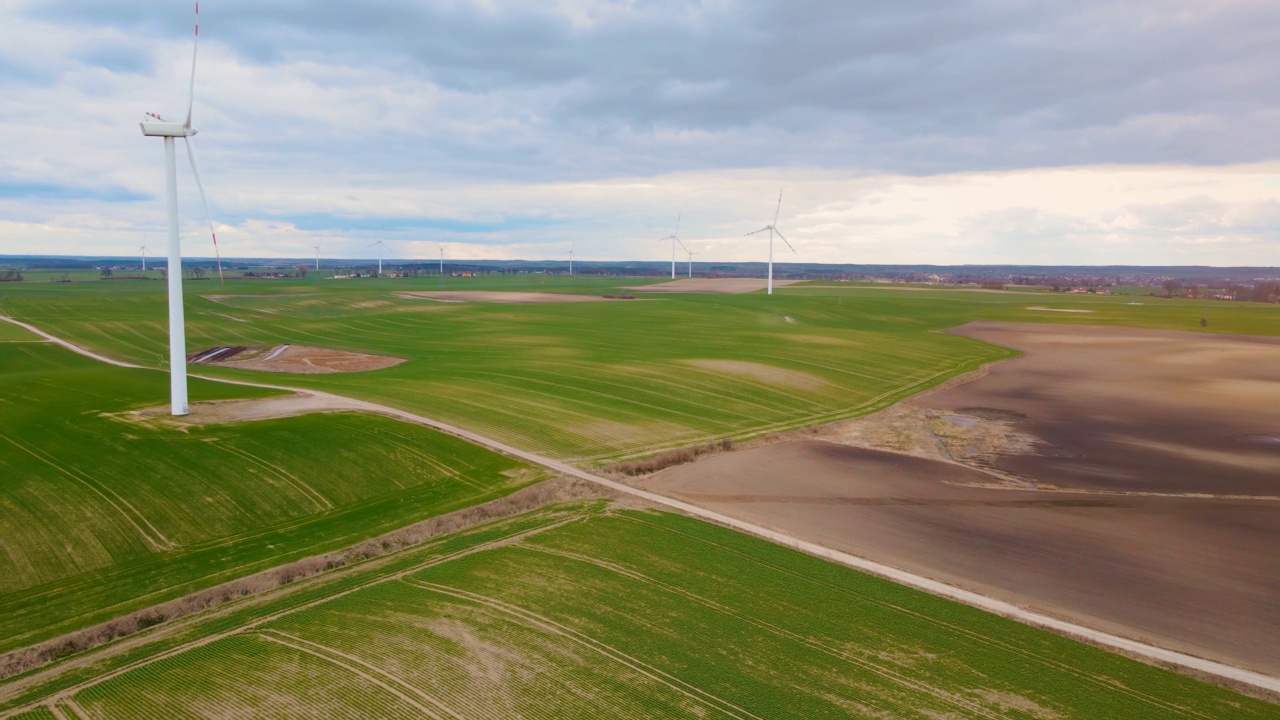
143 250
572 255
691 254
317 247
156 126
773 229
381 246
442 247
674 239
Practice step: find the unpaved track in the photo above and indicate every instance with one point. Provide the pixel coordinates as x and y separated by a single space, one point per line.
999 607
715 286
500 296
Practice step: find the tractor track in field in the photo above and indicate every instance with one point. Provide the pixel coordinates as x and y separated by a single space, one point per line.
1134 648
548 625
67 694
428 705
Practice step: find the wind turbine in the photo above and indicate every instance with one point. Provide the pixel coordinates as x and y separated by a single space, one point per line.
691 254
144 252
156 126
572 255
381 246
442 247
317 247
772 230
672 237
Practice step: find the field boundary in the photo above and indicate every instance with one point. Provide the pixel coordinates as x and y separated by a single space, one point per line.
67 693
527 499
1133 648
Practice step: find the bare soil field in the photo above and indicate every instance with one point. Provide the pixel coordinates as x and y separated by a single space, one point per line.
933 288
1125 479
517 298
1191 574
306 360
1131 410
727 286
217 412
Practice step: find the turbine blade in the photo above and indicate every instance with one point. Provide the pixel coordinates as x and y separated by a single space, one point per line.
753 232
191 91
682 245
777 209
195 170
785 240
678 217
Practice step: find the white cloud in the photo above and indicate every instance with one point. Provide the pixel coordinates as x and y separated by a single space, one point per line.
947 132
1102 215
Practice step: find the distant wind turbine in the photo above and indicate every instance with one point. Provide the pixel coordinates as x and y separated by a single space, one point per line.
572 255
691 254
144 252
442 247
381 246
156 126
673 237
317 247
773 229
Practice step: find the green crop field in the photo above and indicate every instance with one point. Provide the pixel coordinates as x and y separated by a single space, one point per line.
590 382
587 611
101 515
598 382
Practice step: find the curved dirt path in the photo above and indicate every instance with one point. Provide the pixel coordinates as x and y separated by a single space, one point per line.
920 582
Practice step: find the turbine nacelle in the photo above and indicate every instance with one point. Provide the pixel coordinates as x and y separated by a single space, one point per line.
164 128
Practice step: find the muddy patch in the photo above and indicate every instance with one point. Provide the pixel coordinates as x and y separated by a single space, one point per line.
726 286
217 412
298 359
822 340
759 372
515 298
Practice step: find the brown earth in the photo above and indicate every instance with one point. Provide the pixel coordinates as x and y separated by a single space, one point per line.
518 298
1124 479
933 288
308 360
217 412
1132 410
726 286
767 374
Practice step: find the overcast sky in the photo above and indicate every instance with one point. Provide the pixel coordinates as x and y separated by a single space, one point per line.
935 131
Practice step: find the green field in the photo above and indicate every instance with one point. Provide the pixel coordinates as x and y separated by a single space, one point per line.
101 515
599 382
589 611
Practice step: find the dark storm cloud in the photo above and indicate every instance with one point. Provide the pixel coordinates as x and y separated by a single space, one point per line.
878 86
